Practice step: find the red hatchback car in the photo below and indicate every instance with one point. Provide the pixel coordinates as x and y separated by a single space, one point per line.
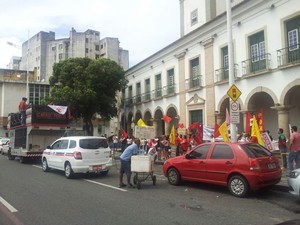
239 166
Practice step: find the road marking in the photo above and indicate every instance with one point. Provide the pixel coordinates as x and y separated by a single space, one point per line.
105 185
91 181
37 166
7 205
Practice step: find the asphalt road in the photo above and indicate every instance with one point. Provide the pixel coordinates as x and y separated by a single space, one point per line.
28 196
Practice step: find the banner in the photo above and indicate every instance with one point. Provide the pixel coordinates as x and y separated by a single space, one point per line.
249 119
267 141
260 121
216 130
124 133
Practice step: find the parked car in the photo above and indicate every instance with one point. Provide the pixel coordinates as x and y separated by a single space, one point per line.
294 182
4 145
78 154
239 166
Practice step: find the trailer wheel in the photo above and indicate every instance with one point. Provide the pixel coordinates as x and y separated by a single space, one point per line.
45 165
22 159
9 156
68 171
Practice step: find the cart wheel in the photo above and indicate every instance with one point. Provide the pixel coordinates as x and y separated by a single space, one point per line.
135 179
154 180
139 185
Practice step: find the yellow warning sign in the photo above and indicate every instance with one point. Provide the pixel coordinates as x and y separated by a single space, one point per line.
234 93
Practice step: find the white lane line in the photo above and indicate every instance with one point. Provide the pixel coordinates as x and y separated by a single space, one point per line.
91 181
7 205
37 166
105 185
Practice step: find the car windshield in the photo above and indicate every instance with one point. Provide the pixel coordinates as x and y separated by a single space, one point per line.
93 143
255 150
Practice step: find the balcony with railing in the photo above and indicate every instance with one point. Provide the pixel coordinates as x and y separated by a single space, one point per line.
169 90
146 96
222 74
258 64
138 99
157 93
194 82
288 56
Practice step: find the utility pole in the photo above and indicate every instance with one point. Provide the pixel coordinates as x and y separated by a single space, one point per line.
233 136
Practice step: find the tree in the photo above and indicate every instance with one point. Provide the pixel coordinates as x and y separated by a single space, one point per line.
88 87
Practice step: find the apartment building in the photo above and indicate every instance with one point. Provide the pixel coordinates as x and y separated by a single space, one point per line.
188 80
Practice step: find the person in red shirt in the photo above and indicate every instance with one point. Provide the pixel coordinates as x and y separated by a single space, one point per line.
177 143
184 144
294 155
22 110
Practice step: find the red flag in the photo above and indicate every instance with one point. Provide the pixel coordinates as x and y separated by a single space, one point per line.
216 131
260 121
69 113
167 118
194 126
199 135
249 119
180 125
124 133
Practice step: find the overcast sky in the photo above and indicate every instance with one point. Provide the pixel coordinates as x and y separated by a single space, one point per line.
142 26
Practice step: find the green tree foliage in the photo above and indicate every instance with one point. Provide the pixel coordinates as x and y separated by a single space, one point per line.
88 87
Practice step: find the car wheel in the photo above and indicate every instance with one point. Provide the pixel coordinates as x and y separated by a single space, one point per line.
9 156
238 186
22 159
173 176
68 171
45 165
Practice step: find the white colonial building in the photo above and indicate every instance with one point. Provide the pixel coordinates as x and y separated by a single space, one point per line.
188 80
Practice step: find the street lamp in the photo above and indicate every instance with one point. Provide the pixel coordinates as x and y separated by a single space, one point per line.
27 71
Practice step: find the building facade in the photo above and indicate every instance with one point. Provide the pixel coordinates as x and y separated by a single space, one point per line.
42 50
188 80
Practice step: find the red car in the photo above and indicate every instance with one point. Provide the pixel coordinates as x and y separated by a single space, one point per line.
239 166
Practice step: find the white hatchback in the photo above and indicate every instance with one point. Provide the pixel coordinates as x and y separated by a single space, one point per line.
294 182
88 154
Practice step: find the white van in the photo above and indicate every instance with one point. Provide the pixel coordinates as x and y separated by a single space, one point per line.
87 154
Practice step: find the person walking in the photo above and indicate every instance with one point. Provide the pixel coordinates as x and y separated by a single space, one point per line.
294 155
282 146
125 159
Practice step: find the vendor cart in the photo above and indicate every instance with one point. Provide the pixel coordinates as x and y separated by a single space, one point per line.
142 167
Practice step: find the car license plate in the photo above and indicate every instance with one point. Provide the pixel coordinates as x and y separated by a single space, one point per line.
97 168
271 165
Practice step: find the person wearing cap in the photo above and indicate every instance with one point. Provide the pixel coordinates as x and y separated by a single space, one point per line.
22 110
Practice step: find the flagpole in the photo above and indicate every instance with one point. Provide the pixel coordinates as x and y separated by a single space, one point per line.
233 136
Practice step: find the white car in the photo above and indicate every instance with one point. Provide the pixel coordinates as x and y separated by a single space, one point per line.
4 145
294 182
88 154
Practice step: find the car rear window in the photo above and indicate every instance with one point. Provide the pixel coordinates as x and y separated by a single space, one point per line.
93 143
255 150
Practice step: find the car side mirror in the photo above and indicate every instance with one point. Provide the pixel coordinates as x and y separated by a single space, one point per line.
188 156
48 147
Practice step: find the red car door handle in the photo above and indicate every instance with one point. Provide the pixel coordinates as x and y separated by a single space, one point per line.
228 162
201 162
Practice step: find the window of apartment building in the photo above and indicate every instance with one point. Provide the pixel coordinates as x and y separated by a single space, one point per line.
158 87
54 48
97 56
97 48
138 92
86 40
147 89
60 46
37 92
225 64
194 17
257 51
86 50
195 72
60 56
293 30
171 81
101 46
130 94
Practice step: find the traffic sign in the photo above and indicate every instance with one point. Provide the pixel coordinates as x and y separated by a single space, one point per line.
234 93
234 113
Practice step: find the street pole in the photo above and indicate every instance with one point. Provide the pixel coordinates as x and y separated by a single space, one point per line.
233 136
